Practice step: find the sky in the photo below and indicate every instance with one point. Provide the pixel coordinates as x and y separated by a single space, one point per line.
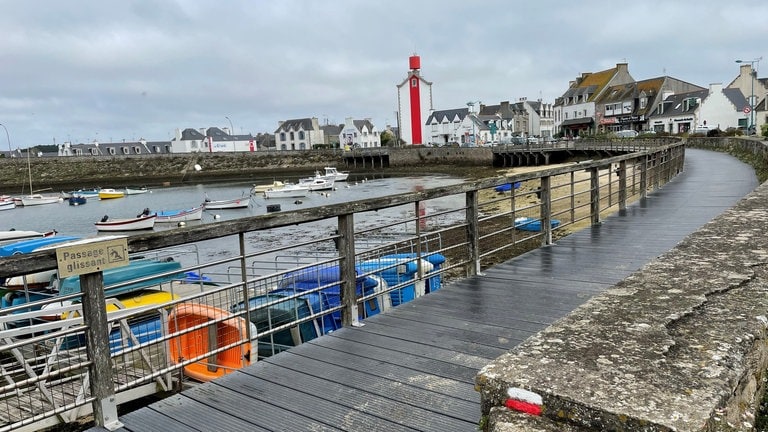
107 71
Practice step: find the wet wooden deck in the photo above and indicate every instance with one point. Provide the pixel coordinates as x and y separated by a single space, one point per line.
414 367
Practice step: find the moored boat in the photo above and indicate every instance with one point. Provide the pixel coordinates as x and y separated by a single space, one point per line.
261 188
77 200
136 190
110 193
331 173
317 183
7 204
12 235
191 214
144 221
153 272
533 224
200 341
235 203
37 199
288 191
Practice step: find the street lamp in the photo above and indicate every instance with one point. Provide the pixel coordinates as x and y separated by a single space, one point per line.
231 129
10 150
753 73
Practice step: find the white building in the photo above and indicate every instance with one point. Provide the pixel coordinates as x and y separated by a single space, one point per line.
211 140
414 104
359 134
299 134
699 111
755 90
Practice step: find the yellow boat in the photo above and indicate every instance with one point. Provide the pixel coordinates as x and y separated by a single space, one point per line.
149 297
110 194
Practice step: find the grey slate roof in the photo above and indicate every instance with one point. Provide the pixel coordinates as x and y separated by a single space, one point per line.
450 114
295 124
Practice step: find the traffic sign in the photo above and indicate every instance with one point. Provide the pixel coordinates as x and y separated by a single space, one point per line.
747 110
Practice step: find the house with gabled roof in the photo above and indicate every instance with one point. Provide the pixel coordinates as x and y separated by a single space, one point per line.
755 90
574 111
299 134
359 134
627 106
125 148
211 140
456 127
699 111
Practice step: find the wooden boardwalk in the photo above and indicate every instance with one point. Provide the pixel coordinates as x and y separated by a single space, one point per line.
413 368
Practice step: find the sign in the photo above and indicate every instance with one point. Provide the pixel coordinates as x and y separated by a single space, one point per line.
747 110
92 255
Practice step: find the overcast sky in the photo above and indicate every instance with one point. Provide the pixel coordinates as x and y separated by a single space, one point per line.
82 70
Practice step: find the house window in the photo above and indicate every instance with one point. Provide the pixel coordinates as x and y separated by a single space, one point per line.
112 151
282 137
290 136
414 82
301 135
125 150
137 150
643 102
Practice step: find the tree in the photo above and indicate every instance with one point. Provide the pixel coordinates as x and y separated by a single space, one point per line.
387 139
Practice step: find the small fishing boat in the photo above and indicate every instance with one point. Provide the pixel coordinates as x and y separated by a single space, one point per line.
88 193
143 221
77 200
288 191
533 224
235 203
194 343
37 199
152 272
7 204
506 187
174 216
109 193
34 281
136 190
261 188
14 235
331 173
317 183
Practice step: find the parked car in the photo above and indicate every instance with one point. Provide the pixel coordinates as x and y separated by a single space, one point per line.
626 133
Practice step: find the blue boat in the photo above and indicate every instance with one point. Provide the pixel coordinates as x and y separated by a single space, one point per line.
434 279
27 246
531 224
77 200
506 187
135 269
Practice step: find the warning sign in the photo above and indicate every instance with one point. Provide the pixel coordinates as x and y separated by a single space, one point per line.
92 255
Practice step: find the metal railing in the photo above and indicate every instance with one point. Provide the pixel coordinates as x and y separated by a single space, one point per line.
289 278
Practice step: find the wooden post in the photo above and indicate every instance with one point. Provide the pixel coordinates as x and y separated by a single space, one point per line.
349 314
246 294
97 347
622 173
546 210
644 177
594 200
473 235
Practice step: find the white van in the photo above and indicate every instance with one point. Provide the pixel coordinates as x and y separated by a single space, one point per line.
627 133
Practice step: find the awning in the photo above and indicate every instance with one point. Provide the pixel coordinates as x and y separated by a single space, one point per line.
578 121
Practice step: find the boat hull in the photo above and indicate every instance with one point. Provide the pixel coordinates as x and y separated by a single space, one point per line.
130 224
175 216
105 194
290 191
227 204
208 338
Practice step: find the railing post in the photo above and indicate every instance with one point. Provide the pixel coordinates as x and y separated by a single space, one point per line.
97 347
546 210
622 173
349 314
473 235
594 200
644 177
244 280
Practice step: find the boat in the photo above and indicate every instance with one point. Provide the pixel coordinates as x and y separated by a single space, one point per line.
261 188
506 187
88 193
172 216
110 193
533 224
331 173
200 341
34 281
317 183
136 190
143 221
7 204
290 190
77 200
152 273
235 203
14 235
35 198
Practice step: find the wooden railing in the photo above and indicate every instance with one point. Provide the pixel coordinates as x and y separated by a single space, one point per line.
54 360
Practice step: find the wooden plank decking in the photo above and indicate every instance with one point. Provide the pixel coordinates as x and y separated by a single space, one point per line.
413 368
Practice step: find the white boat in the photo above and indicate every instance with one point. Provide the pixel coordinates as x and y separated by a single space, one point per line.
7 204
317 183
21 234
257 189
38 199
140 222
288 191
235 203
136 190
192 214
331 173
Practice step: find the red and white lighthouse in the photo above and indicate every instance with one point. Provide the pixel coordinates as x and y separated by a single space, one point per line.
414 104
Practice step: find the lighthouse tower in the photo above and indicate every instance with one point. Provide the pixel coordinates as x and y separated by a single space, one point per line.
414 104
